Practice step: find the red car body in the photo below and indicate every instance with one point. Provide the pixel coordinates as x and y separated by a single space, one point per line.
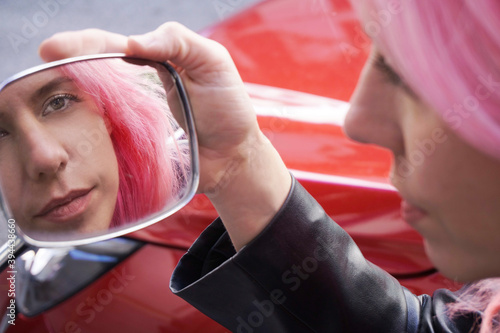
301 60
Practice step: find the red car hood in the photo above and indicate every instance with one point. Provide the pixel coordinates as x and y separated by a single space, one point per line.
314 46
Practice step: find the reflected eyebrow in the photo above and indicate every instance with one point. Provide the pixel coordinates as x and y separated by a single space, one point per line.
45 89
49 86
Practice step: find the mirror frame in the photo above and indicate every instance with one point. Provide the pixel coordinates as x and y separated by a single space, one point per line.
193 145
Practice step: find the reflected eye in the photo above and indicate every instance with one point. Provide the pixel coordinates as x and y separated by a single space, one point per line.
3 133
59 103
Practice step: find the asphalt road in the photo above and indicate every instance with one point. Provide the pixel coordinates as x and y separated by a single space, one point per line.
24 24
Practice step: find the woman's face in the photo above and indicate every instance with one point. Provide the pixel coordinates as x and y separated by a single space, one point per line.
450 190
58 168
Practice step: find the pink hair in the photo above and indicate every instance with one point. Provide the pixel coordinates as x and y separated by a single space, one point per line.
133 104
448 51
481 298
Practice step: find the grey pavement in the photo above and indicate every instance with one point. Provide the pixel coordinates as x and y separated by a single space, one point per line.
24 24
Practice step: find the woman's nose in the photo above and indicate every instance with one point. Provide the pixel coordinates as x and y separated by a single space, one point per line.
44 155
373 115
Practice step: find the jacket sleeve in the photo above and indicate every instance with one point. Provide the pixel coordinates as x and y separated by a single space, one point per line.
303 273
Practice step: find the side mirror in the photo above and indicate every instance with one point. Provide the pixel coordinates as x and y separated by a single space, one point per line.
94 147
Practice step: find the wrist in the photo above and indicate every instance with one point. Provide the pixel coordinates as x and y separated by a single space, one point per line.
250 190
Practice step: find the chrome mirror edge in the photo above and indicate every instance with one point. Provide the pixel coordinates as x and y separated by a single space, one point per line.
115 234
56 63
22 238
7 248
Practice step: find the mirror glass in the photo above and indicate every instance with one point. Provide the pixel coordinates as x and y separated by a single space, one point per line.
92 149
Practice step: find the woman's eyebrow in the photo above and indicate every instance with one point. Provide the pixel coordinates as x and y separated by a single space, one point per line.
49 86
392 76
387 70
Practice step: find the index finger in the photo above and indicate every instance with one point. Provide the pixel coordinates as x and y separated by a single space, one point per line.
76 43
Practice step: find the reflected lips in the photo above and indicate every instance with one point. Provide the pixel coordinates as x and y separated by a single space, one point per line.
410 213
67 207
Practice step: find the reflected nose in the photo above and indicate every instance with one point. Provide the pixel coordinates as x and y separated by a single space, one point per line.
43 155
373 115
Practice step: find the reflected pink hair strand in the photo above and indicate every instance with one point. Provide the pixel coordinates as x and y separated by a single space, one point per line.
134 107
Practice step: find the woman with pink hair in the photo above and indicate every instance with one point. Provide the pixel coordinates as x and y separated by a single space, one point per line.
88 146
274 261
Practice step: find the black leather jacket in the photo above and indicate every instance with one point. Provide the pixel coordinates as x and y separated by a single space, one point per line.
303 273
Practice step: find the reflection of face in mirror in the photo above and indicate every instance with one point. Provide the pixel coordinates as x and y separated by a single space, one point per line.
86 147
